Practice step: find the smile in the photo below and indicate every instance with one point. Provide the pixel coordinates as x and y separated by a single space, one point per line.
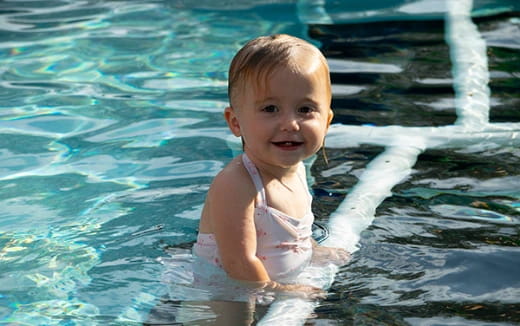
287 144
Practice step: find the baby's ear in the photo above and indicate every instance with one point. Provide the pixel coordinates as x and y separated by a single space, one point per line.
329 118
232 121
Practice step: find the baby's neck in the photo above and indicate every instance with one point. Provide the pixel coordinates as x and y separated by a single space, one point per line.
274 171
286 180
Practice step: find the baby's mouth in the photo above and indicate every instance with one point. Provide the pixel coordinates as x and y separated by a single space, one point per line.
287 144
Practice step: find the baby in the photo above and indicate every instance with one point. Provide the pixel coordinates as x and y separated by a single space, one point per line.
257 219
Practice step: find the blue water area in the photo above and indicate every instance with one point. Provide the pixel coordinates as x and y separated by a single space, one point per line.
111 131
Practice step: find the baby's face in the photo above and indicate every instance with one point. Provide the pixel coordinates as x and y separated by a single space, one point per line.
285 121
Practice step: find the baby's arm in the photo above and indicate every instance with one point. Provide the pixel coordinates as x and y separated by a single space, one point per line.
231 207
324 255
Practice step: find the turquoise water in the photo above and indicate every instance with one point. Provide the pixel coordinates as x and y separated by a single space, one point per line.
111 130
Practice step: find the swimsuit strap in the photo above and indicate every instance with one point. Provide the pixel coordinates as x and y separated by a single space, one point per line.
257 180
302 175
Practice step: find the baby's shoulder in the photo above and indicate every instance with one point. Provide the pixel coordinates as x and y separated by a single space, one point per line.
234 178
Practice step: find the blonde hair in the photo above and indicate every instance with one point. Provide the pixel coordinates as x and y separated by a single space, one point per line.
262 55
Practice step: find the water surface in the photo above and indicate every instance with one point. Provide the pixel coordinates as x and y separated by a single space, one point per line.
111 130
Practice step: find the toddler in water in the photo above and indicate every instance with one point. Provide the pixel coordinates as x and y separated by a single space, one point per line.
256 222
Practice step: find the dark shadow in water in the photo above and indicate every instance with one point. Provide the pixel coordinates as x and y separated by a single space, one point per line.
459 207
219 313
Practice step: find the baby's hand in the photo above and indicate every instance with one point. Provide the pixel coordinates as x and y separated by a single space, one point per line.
300 290
325 255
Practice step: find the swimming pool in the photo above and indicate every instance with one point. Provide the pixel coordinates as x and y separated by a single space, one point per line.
111 130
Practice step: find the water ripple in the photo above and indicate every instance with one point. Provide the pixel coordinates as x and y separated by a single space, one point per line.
111 130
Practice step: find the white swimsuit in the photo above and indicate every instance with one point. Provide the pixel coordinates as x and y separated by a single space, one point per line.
283 242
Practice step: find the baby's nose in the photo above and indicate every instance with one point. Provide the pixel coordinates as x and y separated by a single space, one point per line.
290 123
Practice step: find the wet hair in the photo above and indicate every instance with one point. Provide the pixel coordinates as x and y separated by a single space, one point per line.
262 55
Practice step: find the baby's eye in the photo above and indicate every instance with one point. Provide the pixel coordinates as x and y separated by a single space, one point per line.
270 108
306 109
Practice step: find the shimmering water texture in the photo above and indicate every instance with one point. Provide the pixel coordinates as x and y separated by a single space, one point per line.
111 131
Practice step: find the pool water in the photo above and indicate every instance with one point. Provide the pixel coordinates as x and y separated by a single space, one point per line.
111 130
